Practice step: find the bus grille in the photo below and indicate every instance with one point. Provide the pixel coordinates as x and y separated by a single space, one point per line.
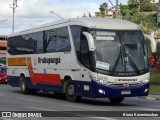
123 85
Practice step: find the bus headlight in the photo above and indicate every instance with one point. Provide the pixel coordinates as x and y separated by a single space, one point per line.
145 81
101 80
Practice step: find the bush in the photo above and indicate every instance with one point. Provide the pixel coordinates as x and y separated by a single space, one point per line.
155 78
3 61
147 6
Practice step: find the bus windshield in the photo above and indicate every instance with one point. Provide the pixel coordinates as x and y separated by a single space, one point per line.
120 51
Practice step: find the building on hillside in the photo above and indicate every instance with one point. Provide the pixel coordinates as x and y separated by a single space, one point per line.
3 45
109 14
154 1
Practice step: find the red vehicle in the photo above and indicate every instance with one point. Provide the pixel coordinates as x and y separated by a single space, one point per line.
3 74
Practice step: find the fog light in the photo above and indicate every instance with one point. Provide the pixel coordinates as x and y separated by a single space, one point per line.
146 90
101 91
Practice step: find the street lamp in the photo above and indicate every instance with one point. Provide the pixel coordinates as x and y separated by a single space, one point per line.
56 14
14 6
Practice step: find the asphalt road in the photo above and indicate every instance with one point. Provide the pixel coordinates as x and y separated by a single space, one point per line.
11 99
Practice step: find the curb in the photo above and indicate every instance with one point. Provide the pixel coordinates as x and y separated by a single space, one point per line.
151 97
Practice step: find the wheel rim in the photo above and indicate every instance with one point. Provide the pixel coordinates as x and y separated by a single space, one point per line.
71 90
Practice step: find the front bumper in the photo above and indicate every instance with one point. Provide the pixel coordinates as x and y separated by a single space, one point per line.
106 91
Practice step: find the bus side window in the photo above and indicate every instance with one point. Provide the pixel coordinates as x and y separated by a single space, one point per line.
40 42
84 52
76 33
50 41
62 40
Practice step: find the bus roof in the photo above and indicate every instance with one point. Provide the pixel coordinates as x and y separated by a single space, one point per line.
99 23
106 23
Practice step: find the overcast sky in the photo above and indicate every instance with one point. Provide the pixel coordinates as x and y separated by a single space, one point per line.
31 13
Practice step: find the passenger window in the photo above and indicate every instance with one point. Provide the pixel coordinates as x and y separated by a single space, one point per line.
40 42
62 40
50 40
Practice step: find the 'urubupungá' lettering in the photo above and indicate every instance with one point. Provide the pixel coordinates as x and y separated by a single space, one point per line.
49 60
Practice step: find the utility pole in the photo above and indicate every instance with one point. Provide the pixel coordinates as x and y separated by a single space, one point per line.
117 10
14 6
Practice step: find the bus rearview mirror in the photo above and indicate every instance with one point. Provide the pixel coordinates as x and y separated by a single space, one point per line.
153 42
90 41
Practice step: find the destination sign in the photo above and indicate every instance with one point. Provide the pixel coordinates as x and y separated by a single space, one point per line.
105 33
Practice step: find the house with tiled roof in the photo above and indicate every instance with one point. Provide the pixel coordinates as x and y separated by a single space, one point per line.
3 45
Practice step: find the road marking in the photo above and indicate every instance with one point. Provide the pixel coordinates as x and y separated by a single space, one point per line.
149 109
6 119
149 98
142 104
28 99
146 109
85 108
41 109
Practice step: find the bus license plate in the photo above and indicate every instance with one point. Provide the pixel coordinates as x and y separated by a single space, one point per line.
125 92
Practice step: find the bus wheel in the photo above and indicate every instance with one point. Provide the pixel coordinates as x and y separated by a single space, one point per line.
23 85
70 92
116 100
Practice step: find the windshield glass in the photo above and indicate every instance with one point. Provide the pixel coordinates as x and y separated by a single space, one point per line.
120 51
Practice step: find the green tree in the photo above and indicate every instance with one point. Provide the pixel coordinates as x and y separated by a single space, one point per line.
124 9
89 14
84 15
103 10
146 6
3 61
141 1
158 49
133 4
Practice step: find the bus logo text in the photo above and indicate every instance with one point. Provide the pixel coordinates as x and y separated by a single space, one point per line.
49 60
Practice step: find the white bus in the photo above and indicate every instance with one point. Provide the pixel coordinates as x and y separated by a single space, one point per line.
81 57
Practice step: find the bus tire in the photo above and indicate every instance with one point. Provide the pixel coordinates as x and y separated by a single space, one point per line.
70 92
23 85
116 100
32 91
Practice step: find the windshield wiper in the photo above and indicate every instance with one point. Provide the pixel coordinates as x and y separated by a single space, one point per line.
133 64
117 60
116 63
122 55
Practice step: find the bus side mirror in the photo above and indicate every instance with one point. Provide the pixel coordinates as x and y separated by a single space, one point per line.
90 41
153 42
